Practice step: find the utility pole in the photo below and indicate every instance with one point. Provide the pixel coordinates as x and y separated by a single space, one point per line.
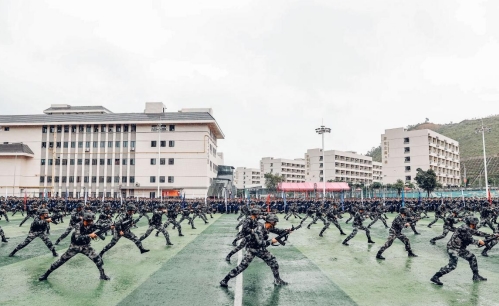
321 131
482 130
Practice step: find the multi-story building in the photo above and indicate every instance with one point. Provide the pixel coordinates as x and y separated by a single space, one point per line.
339 165
247 178
377 172
293 170
403 152
75 149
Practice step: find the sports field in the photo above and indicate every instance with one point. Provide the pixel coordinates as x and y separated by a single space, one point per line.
320 271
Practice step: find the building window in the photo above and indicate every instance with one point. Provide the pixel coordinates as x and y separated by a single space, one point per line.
123 161
132 161
407 159
116 179
73 129
80 144
172 127
58 162
132 179
42 178
163 143
103 128
118 128
58 144
64 162
95 144
109 144
406 140
80 161
132 144
125 127
125 144
102 162
123 179
109 162
117 144
94 162
171 143
73 144
153 161
162 161
96 129
161 179
102 144
170 179
51 144
64 179
171 161
44 144
59 129
94 179
408 178
101 179
71 162
407 168
71 179
44 131
133 128
78 179
51 129
87 161
50 162
407 149
153 143
89 128
65 144
42 162
108 179
152 179
116 161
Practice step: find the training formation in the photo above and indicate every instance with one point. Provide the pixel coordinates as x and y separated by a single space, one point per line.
250 229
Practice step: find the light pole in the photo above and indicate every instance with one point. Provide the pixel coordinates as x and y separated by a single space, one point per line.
482 130
15 170
159 128
321 131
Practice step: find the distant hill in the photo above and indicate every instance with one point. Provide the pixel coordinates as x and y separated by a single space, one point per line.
470 145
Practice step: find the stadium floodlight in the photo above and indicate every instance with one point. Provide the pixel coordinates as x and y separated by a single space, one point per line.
321 131
482 130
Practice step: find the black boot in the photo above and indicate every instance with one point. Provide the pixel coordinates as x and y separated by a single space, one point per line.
279 282
13 253
224 282
320 235
484 252
234 243
343 233
57 241
432 241
345 242
45 275
103 275
379 256
142 250
168 242
4 239
411 254
436 279
370 241
54 253
478 278
180 234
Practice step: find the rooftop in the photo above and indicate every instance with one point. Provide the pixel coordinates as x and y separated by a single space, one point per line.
15 149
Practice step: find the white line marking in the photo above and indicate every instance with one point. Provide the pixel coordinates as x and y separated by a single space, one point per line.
238 296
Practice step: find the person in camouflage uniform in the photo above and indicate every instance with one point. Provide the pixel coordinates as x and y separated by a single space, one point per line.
76 217
398 224
256 245
171 215
38 229
2 234
319 215
332 216
250 224
456 247
80 243
439 214
490 244
449 222
357 225
378 215
122 229
293 211
155 223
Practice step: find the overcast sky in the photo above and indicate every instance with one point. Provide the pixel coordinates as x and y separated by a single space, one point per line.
271 70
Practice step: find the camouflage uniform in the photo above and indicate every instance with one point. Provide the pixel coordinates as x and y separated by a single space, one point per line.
155 223
38 229
395 232
449 222
256 246
80 243
76 216
246 230
332 217
2 234
378 215
318 216
123 224
357 225
456 247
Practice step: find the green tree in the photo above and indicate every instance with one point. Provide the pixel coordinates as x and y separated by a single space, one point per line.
427 180
272 181
399 185
377 185
410 185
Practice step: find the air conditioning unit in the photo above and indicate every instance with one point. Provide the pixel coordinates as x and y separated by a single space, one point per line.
137 184
87 149
132 149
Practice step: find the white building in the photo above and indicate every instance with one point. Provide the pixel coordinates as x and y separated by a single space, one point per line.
343 166
88 148
247 178
293 170
377 172
403 152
